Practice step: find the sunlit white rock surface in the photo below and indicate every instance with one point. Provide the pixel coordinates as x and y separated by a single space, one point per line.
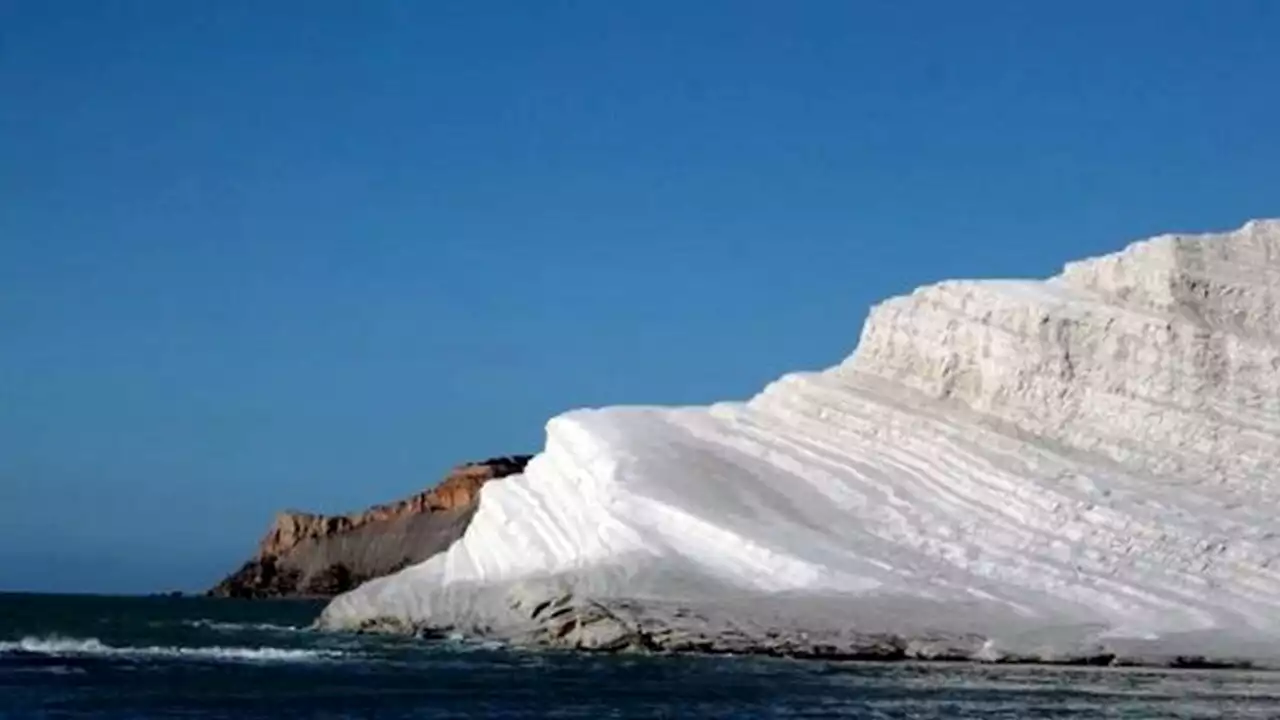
1094 458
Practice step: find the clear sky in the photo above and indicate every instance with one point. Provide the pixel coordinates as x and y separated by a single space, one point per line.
257 255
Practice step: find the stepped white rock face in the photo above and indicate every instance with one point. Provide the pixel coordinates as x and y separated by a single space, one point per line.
1098 452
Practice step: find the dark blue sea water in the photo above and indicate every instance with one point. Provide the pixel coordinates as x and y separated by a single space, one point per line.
100 657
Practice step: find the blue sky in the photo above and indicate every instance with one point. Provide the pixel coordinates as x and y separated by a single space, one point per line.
267 255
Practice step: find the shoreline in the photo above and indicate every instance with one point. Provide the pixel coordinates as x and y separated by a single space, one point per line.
613 626
898 654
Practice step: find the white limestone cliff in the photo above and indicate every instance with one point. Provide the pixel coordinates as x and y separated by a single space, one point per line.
1099 451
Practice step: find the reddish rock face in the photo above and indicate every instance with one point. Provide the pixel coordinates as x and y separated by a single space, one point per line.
306 554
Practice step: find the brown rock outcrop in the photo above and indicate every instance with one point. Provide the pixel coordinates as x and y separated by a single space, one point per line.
312 555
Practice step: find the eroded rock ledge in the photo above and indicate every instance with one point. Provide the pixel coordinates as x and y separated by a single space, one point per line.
823 630
313 555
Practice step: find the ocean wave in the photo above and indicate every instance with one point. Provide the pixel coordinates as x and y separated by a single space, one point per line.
56 646
230 627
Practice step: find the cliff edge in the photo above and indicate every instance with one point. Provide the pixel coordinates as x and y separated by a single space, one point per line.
313 555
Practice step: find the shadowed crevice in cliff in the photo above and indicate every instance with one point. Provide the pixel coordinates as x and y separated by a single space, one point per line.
311 555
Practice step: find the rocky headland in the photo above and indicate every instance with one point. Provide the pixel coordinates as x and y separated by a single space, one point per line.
312 555
1080 469
1077 469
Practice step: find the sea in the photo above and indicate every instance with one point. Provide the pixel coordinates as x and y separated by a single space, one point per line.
77 656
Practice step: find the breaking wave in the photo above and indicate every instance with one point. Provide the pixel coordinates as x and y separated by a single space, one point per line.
241 627
56 646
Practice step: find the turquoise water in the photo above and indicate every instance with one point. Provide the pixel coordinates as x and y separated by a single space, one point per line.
96 657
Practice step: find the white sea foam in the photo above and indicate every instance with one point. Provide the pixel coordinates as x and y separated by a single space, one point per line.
234 627
1097 450
57 646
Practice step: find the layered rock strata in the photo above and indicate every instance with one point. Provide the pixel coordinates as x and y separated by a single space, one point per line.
305 554
1073 467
